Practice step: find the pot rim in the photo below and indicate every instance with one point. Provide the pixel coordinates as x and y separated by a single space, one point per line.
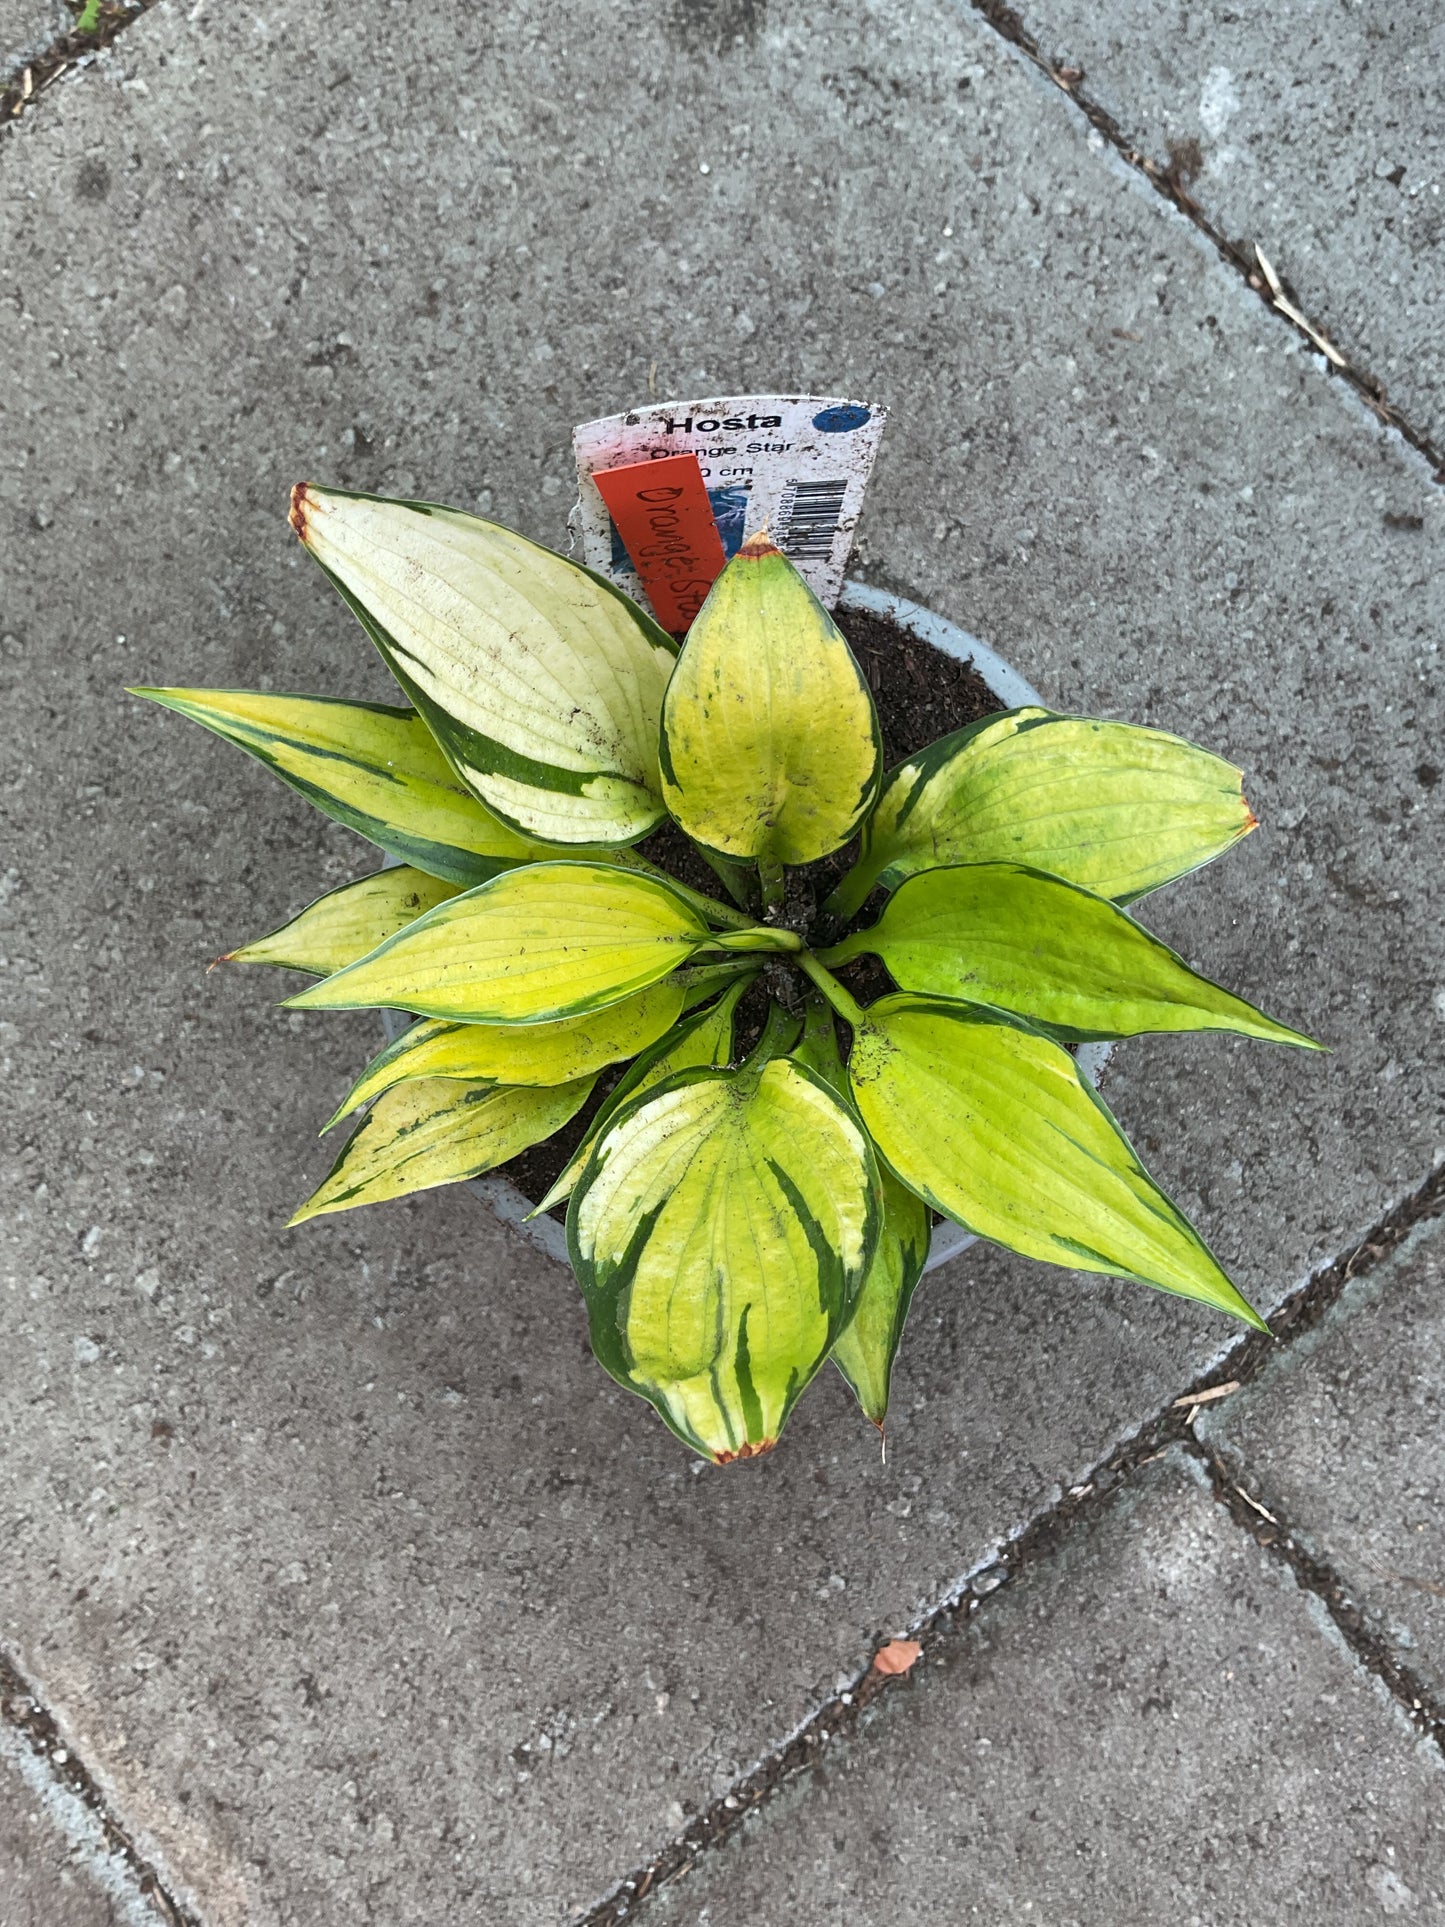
1014 691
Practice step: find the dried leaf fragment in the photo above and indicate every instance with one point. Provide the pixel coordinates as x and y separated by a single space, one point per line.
1209 1394
897 1657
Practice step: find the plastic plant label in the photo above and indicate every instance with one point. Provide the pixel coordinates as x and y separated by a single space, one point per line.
795 465
662 512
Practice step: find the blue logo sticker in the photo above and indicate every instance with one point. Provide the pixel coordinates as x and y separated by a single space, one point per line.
839 421
729 508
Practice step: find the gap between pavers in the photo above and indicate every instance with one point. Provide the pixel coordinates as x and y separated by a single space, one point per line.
1344 1438
27 28
1172 1426
1311 133
1155 1724
56 1869
354 1578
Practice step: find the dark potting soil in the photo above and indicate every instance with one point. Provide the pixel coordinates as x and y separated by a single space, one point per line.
921 695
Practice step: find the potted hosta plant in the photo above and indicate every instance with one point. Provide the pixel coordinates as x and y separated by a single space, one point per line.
754 1193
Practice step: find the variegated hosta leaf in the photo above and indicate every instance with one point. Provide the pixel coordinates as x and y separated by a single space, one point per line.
541 682
721 1233
434 1131
1117 809
992 1123
770 745
346 923
704 1038
866 1351
997 933
373 767
521 1053
548 941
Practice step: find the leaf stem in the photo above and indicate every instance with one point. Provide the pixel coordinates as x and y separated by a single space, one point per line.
847 1007
819 1046
846 951
779 1034
732 876
758 936
704 980
852 893
770 876
714 911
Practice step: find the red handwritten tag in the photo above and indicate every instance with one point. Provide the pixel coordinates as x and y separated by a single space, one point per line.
667 526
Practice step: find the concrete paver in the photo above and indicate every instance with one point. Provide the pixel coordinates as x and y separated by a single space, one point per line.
55 1870
26 28
1345 1437
495 1637
1153 1725
1313 131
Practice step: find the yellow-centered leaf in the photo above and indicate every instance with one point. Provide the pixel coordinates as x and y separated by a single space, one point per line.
864 1354
540 681
997 933
521 1053
721 1233
433 1131
770 745
549 941
1117 809
370 766
993 1124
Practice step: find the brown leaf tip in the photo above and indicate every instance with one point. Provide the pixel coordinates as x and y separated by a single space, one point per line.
301 505
746 1450
758 547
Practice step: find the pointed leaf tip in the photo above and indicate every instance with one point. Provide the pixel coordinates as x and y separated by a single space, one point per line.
992 1123
1008 936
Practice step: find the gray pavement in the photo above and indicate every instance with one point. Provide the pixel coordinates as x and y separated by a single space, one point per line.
1312 131
361 1588
1155 1725
1344 1437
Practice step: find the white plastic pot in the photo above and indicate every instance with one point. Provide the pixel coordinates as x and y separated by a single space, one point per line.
1014 693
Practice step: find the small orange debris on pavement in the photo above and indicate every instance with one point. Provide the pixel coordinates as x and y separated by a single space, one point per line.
898 1656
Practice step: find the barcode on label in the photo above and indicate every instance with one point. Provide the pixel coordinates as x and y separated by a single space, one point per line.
810 519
